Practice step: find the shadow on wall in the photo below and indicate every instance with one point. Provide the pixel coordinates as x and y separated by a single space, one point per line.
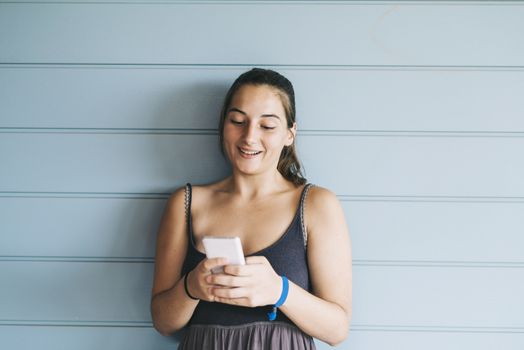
189 149
183 148
196 106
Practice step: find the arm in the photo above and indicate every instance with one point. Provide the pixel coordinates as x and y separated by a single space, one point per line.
326 313
171 308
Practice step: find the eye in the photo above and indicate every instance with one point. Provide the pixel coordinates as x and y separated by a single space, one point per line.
236 122
267 127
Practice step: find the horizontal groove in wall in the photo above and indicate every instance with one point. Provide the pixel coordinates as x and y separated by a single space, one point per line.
131 131
431 199
128 65
356 262
435 263
432 329
341 197
286 2
408 133
311 132
82 259
108 195
75 323
354 327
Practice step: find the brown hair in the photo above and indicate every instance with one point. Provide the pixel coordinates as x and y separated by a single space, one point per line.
288 164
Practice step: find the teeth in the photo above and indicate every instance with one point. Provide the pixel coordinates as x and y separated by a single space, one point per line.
250 153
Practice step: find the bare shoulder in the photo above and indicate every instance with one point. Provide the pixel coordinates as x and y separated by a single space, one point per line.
175 206
322 211
173 219
178 197
319 195
321 200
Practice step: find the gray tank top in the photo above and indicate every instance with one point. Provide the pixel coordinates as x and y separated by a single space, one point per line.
287 257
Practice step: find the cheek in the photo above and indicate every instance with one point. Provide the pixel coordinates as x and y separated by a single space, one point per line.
229 141
276 141
229 134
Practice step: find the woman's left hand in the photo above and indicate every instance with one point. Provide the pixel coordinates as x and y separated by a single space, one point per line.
253 284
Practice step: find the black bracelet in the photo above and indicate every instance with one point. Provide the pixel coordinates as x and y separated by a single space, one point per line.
185 287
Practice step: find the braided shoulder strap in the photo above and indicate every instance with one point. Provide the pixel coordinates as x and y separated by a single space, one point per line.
302 207
187 201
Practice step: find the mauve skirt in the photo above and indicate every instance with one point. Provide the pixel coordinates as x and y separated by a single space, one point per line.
256 336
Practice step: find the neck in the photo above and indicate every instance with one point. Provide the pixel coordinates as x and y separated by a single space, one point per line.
257 186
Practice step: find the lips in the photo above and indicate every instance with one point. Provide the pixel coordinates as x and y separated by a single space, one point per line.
250 153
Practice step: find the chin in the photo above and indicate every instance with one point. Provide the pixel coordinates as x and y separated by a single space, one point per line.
248 170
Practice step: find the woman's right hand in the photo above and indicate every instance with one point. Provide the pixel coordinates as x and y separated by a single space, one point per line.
196 280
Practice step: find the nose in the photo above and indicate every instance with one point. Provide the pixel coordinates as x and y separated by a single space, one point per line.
250 134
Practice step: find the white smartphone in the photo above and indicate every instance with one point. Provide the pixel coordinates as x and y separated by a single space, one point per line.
224 247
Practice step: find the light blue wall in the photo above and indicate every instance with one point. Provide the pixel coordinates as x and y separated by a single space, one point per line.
411 111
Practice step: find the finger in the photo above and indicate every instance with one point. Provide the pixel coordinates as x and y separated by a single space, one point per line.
259 259
227 280
237 270
229 293
214 262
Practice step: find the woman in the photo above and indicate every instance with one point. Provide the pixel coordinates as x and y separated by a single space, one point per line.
304 268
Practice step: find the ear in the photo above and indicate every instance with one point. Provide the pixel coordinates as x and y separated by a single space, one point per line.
292 132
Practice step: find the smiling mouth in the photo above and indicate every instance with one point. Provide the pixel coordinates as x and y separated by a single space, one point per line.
249 153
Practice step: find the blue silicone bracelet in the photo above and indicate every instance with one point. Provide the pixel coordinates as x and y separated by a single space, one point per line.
283 296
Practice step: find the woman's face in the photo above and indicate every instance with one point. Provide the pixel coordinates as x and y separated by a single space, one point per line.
255 130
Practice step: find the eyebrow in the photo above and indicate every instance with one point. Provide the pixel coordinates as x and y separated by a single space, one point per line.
244 113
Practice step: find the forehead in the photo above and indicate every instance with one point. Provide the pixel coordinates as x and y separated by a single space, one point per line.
258 99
